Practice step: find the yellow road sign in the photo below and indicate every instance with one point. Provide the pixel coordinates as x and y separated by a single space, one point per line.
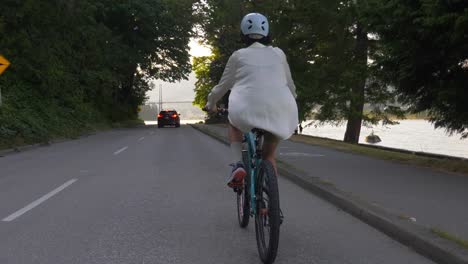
4 63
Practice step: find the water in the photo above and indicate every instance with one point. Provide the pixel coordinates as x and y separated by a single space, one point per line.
415 135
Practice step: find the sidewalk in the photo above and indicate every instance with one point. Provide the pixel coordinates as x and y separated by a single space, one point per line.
434 199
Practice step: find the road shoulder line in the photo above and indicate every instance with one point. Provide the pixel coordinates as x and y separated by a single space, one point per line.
121 150
37 202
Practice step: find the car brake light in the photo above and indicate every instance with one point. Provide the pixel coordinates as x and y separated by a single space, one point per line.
159 116
174 115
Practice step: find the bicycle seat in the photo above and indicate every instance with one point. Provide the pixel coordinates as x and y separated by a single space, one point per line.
258 131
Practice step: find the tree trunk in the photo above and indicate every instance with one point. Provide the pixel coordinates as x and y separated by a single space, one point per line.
126 93
127 86
356 107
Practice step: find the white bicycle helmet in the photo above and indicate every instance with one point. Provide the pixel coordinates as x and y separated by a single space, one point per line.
255 25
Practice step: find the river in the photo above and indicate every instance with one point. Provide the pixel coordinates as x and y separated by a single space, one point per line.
415 135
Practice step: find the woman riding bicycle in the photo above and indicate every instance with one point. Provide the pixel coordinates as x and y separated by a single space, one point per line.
262 94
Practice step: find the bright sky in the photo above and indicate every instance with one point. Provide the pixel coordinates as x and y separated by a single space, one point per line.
180 91
197 50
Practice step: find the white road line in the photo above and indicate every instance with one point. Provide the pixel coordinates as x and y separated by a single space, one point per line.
120 150
140 139
30 206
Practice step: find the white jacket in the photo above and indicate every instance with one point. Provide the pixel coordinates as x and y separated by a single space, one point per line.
262 91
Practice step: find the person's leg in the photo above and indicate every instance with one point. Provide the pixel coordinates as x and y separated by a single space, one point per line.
269 149
235 138
238 172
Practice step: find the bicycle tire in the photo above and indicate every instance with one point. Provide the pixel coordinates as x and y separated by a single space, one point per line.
243 196
268 213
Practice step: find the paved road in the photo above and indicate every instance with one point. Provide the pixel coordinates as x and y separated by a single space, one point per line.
435 199
158 196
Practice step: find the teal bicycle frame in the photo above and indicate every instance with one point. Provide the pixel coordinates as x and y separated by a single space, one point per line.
255 156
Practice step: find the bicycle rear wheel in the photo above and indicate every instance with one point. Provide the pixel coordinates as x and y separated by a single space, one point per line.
243 195
267 218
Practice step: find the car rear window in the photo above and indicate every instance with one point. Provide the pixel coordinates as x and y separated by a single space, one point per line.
168 112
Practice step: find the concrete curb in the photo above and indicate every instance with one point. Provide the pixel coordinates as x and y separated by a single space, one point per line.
420 238
5 152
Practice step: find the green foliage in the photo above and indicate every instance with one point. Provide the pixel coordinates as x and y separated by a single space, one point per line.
359 60
424 55
77 63
328 64
219 21
204 83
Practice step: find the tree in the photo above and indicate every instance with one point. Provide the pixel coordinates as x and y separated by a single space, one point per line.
424 55
327 46
218 20
204 83
76 63
154 36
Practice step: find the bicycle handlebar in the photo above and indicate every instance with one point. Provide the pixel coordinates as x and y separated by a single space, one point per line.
220 111
223 111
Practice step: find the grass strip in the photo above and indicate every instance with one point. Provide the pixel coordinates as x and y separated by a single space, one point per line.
442 164
448 236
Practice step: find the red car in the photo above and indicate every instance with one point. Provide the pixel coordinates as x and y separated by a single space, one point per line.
168 118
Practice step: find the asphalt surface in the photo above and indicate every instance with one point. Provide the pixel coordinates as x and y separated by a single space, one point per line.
434 199
158 196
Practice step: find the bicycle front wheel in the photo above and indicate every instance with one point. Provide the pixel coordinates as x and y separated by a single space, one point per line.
267 218
243 195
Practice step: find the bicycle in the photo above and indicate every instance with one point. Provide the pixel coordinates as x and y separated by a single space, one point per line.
259 196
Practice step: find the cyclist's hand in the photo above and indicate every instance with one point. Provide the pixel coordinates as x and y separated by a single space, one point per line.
209 109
